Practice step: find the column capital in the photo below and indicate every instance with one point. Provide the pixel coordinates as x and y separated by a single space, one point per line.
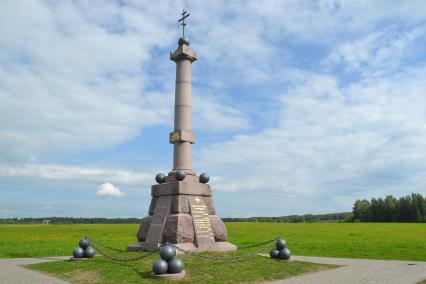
183 52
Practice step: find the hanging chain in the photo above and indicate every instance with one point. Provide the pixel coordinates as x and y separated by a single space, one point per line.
99 246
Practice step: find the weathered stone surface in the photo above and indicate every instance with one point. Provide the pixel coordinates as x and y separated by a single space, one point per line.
178 229
181 188
219 229
180 204
208 201
143 229
158 219
152 205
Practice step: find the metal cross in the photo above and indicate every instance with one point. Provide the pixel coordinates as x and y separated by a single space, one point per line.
184 16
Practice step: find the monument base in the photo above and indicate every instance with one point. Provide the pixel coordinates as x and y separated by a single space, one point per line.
217 246
170 276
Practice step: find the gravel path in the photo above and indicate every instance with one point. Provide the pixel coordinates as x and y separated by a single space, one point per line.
361 271
11 271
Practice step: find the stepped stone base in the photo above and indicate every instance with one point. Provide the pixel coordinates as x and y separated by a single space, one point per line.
182 213
217 246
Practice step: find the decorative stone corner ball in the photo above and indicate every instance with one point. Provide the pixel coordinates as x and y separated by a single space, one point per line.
160 178
89 252
84 243
204 178
160 267
78 252
175 265
183 40
280 244
167 252
274 253
285 254
180 175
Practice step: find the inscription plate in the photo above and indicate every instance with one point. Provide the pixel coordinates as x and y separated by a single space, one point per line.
201 220
158 219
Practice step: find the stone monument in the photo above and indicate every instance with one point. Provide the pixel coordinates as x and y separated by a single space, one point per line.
182 210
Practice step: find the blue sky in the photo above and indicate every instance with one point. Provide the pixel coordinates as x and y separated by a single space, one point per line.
299 106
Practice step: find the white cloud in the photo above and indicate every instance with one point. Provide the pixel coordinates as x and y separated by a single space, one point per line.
368 138
63 172
383 51
108 189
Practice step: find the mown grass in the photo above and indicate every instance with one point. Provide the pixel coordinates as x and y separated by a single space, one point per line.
253 269
356 240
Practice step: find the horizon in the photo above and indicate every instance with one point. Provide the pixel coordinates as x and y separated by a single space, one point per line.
298 106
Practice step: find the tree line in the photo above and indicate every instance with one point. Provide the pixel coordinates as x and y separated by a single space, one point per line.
410 208
333 217
309 218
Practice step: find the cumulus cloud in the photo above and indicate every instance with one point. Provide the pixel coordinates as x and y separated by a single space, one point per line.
333 142
108 189
63 172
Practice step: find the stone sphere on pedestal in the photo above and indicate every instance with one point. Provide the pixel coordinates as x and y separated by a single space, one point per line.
78 252
160 178
89 252
274 253
167 252
204 178
281 244
180 175
175 265
160 267
285 254
84 243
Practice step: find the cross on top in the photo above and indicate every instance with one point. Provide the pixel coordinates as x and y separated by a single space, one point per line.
184 16
197 199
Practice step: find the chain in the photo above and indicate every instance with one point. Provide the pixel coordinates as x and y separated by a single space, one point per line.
97 244
226 258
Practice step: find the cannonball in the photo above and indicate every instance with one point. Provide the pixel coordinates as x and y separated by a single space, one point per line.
274 253
204 178
281 244
160 267
84 243
167 252
78 252
160 178
180 175
183 40
89 252
285 254
175 265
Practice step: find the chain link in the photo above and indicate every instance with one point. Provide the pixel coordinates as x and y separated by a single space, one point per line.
97 245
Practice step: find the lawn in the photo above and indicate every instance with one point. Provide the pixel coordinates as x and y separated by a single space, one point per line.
251 269
356 240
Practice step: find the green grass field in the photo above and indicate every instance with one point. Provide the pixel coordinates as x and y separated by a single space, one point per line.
356 240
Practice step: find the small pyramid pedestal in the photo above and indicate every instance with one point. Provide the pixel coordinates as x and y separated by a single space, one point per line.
182 212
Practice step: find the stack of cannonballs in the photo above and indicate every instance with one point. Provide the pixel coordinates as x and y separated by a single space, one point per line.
282 251
169 266
84 250
180 176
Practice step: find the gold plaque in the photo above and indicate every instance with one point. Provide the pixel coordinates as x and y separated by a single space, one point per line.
175 137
